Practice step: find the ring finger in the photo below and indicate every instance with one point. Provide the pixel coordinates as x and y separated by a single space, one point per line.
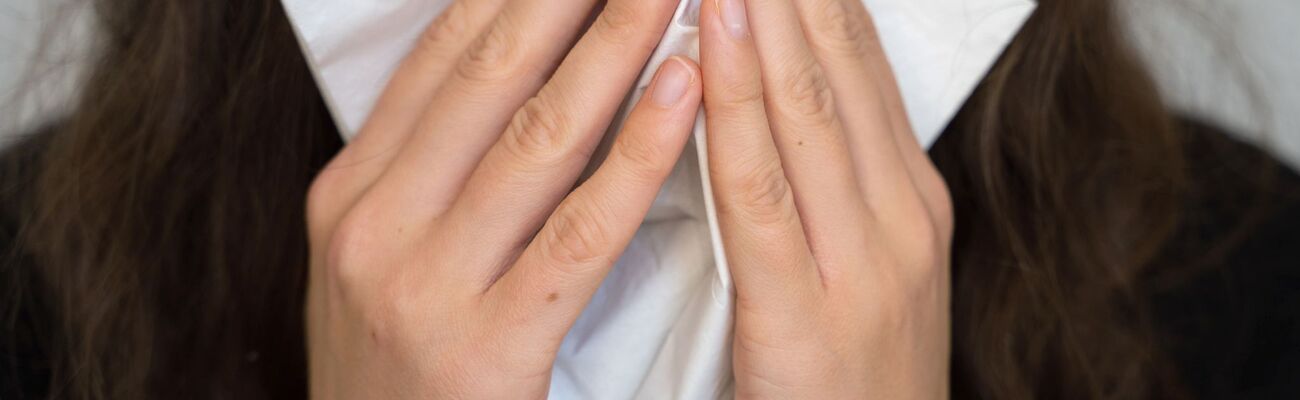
843 40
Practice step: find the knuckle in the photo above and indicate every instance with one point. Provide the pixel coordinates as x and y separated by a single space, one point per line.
643 159
908 231
398 303
809 96
843 28
395 316
577 237
919 247
941 200
537 132
323 201
741 94
495 56
349 251
763 195
926 223
620 23
449 27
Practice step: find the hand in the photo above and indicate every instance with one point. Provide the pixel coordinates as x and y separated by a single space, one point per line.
449 256
836 225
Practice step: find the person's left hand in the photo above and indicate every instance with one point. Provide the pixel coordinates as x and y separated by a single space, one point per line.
835 223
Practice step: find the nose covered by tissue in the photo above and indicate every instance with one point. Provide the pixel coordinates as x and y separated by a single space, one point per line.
660 324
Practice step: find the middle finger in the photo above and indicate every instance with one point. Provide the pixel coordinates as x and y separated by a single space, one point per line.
807 130
492 79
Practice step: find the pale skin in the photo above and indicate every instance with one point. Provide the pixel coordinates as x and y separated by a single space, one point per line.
451 252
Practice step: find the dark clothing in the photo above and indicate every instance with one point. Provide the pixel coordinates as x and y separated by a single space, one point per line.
1230 321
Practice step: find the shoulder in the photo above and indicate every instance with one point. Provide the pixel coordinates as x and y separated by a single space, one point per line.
1228 295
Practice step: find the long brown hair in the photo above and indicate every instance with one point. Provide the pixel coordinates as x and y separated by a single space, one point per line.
1067 177
161 249
164 217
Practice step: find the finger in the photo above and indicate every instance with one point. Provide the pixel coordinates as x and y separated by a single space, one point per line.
924 175
560 270
500 70
809 136
845 44
762 233
540 155
404 100
417 78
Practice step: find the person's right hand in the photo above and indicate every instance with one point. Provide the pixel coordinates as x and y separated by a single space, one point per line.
448 255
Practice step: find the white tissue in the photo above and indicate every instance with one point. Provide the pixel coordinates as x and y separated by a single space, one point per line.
660 325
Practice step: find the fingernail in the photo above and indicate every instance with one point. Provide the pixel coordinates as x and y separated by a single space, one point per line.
733 17
674 79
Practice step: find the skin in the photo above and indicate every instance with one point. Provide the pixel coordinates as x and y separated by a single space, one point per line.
836 224
451 252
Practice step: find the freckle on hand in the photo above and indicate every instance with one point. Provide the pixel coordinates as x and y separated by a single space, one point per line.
552 297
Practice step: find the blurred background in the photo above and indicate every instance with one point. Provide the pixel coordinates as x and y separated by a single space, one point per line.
1235 63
